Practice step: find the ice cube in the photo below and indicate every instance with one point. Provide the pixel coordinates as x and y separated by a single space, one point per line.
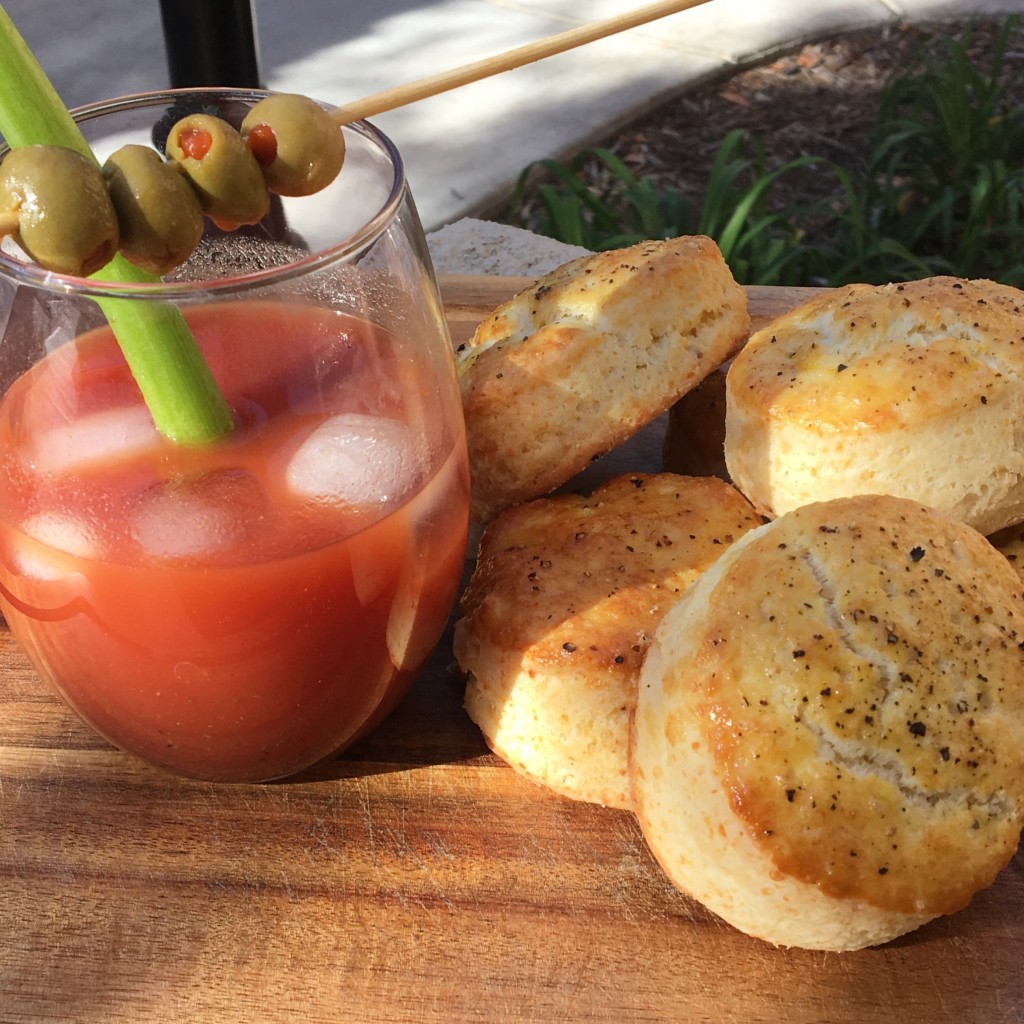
357 460
61 532
201 515
108 436
49 551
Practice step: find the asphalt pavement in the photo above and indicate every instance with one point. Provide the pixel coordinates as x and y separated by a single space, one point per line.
464 149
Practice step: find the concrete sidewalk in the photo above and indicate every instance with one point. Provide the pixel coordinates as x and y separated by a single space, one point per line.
464 149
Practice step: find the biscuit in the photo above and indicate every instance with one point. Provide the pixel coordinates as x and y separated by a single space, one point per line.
914 390
828 744
595 350
565 597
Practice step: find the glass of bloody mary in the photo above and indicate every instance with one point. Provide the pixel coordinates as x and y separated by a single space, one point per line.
245 608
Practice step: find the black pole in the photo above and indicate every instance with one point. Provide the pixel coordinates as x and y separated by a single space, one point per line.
211 42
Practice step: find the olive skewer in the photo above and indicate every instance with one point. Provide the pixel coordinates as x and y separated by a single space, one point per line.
71 218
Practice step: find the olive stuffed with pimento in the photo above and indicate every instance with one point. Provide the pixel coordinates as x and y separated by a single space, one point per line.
296 143
220 167
71 217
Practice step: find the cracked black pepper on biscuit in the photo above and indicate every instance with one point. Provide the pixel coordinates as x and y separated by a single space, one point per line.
571 367
828 746
565 598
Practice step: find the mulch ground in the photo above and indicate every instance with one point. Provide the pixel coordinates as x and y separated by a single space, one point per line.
820 100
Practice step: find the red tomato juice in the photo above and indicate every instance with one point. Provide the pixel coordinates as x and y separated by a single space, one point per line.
217 610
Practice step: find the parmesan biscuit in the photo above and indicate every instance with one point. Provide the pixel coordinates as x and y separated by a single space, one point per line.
565 597
828 745
595 350
915 390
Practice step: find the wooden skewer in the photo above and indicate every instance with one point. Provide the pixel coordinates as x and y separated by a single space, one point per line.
432 85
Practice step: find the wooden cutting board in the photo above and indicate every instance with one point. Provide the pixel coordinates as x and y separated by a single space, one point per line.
416 879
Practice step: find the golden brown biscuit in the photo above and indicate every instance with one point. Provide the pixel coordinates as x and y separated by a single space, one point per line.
828 746
573 366
564 600
910 389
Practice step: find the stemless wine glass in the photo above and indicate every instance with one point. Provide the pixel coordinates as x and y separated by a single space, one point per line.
244 608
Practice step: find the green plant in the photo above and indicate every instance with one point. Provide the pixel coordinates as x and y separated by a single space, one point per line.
944 182
595 201
760 244
941 190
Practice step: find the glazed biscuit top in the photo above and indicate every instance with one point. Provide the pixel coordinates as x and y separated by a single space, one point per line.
610 289
886 356
864 709
583 581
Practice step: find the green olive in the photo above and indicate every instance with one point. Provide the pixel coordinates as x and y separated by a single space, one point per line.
159 214
218 164
66 222
296 143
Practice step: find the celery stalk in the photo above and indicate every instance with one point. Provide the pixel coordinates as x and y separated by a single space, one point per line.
176 384
183 398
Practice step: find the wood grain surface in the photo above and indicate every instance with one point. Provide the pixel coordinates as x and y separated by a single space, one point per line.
416 879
